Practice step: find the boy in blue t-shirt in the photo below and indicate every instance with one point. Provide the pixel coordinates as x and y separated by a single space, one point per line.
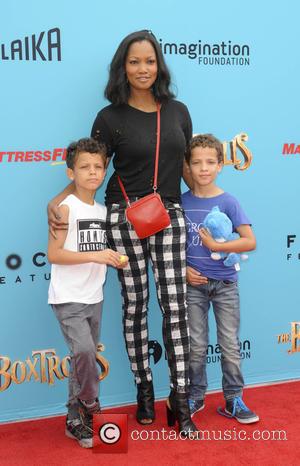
210 281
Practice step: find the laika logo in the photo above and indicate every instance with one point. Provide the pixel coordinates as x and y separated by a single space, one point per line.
291 149
45 46
222 53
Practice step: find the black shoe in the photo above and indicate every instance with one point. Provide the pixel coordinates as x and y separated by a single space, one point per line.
76 430
145 413
178 410
236 408
195 406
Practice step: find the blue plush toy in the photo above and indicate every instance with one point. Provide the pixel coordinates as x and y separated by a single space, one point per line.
219 226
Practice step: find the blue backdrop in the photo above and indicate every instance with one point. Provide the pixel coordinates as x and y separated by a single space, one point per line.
236 66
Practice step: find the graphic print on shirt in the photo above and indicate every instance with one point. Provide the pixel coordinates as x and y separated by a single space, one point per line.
91 235
193 226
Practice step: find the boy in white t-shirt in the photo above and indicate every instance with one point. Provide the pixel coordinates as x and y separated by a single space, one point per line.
79 256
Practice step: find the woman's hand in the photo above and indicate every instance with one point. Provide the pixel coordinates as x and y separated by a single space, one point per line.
194 278
54 219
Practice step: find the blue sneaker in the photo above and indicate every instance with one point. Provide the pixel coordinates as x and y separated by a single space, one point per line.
195 406
236 408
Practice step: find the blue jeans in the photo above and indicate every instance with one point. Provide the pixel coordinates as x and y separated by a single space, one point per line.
224 297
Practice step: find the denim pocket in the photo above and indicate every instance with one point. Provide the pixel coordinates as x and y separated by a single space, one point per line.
228 283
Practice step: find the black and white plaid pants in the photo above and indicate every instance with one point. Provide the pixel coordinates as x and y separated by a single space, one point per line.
166 252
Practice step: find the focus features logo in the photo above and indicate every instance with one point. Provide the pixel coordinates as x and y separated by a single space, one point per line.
223 53
292 252
293 338
44 46
14 262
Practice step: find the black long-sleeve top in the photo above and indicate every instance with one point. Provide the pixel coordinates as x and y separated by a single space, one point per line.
130 137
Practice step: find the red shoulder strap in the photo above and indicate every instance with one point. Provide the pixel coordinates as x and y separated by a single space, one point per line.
156 158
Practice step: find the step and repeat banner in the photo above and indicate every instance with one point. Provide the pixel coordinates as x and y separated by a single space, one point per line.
236 66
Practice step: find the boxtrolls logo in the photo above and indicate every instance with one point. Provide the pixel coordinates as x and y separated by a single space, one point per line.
44 366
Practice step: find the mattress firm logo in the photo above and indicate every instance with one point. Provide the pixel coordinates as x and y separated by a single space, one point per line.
225 53
44 367
213 352
43 46
56 156
292 338
291 149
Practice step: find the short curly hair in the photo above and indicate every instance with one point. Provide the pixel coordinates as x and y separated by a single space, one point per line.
84 145
205 140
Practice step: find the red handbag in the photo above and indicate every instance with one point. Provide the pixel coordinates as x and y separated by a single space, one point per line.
148 215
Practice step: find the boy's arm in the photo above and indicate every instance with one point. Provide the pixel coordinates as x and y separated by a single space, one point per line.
58 255
246 242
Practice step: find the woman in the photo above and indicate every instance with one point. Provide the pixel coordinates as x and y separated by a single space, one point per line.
138 82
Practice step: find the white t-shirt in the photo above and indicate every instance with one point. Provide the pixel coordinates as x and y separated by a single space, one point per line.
81 283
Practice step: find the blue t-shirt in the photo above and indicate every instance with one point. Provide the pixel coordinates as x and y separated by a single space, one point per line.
196 209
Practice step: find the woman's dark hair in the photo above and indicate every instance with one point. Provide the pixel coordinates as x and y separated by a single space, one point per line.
117 90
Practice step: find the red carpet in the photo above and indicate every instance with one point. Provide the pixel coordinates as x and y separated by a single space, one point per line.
43 442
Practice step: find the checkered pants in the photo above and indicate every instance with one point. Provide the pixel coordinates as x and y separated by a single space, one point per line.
166 251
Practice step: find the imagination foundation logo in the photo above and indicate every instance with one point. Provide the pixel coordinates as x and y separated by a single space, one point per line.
224 53
214 352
